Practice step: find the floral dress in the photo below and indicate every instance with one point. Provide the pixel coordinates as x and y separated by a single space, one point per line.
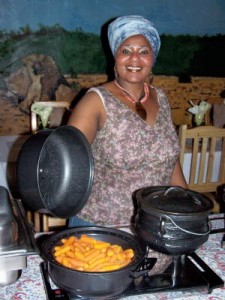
128 154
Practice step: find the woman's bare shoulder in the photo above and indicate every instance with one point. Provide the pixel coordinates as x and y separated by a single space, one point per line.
91 99
88 115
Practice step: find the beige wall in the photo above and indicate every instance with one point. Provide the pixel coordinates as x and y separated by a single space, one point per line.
13 121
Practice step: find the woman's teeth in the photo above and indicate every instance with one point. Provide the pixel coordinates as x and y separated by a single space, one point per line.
134 69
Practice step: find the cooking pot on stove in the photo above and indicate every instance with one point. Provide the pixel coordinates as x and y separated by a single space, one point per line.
96 284
55 171
172 220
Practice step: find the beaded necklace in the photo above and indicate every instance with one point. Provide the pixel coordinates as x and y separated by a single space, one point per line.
130 97
138 103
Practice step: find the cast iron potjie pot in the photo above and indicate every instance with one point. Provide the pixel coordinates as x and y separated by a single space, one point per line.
172 220
55 169
94 284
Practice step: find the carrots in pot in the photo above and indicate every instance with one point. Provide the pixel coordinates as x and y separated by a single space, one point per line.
91 255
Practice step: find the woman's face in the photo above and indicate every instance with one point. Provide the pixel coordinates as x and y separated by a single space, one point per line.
134 60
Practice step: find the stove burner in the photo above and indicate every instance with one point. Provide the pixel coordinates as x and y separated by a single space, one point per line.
186 272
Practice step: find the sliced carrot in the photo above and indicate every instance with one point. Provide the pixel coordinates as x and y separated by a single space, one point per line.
59 259
87 253
117 248
65 262
87 239
77 245
98 261
113 258
64 249
101 245
129 253
112 267
92 255
121 256
79 255
110 251
70 240
78 263
70 254
57 248
100 255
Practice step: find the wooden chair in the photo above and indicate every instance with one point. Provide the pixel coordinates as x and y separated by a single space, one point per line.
43 222
204 143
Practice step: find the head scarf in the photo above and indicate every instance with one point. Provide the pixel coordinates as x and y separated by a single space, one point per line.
124 27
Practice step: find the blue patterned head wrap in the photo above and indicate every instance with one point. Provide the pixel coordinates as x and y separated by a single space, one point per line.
124 27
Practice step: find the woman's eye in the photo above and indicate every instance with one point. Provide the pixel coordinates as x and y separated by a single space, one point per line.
125 51
144 51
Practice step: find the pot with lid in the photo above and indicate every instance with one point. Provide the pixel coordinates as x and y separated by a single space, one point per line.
172 220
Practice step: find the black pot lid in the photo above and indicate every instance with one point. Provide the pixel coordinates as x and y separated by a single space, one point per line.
65 171
62 167
172 199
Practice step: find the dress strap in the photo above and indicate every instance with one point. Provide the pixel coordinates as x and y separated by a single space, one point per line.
97 91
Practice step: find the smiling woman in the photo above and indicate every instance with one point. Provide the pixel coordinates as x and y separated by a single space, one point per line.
130 151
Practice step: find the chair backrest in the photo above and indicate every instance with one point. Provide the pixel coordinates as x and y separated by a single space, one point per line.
57 105
203 148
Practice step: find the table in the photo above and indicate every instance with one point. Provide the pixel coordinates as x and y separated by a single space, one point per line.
30 285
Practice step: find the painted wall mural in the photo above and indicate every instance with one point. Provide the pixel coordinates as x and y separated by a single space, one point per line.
196 17
73 33
45 42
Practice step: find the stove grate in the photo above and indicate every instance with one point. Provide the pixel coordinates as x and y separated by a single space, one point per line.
192 273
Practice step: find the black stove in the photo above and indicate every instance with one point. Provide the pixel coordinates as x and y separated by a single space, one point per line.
183 273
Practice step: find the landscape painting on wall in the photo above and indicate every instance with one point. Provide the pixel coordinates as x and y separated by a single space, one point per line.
45 44
73 34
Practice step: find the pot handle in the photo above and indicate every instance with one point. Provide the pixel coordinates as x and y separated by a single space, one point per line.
144 267
185 230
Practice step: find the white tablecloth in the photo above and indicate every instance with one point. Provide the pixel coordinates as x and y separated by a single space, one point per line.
30 285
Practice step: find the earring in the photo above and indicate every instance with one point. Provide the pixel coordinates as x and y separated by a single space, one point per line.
151 78
115 73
